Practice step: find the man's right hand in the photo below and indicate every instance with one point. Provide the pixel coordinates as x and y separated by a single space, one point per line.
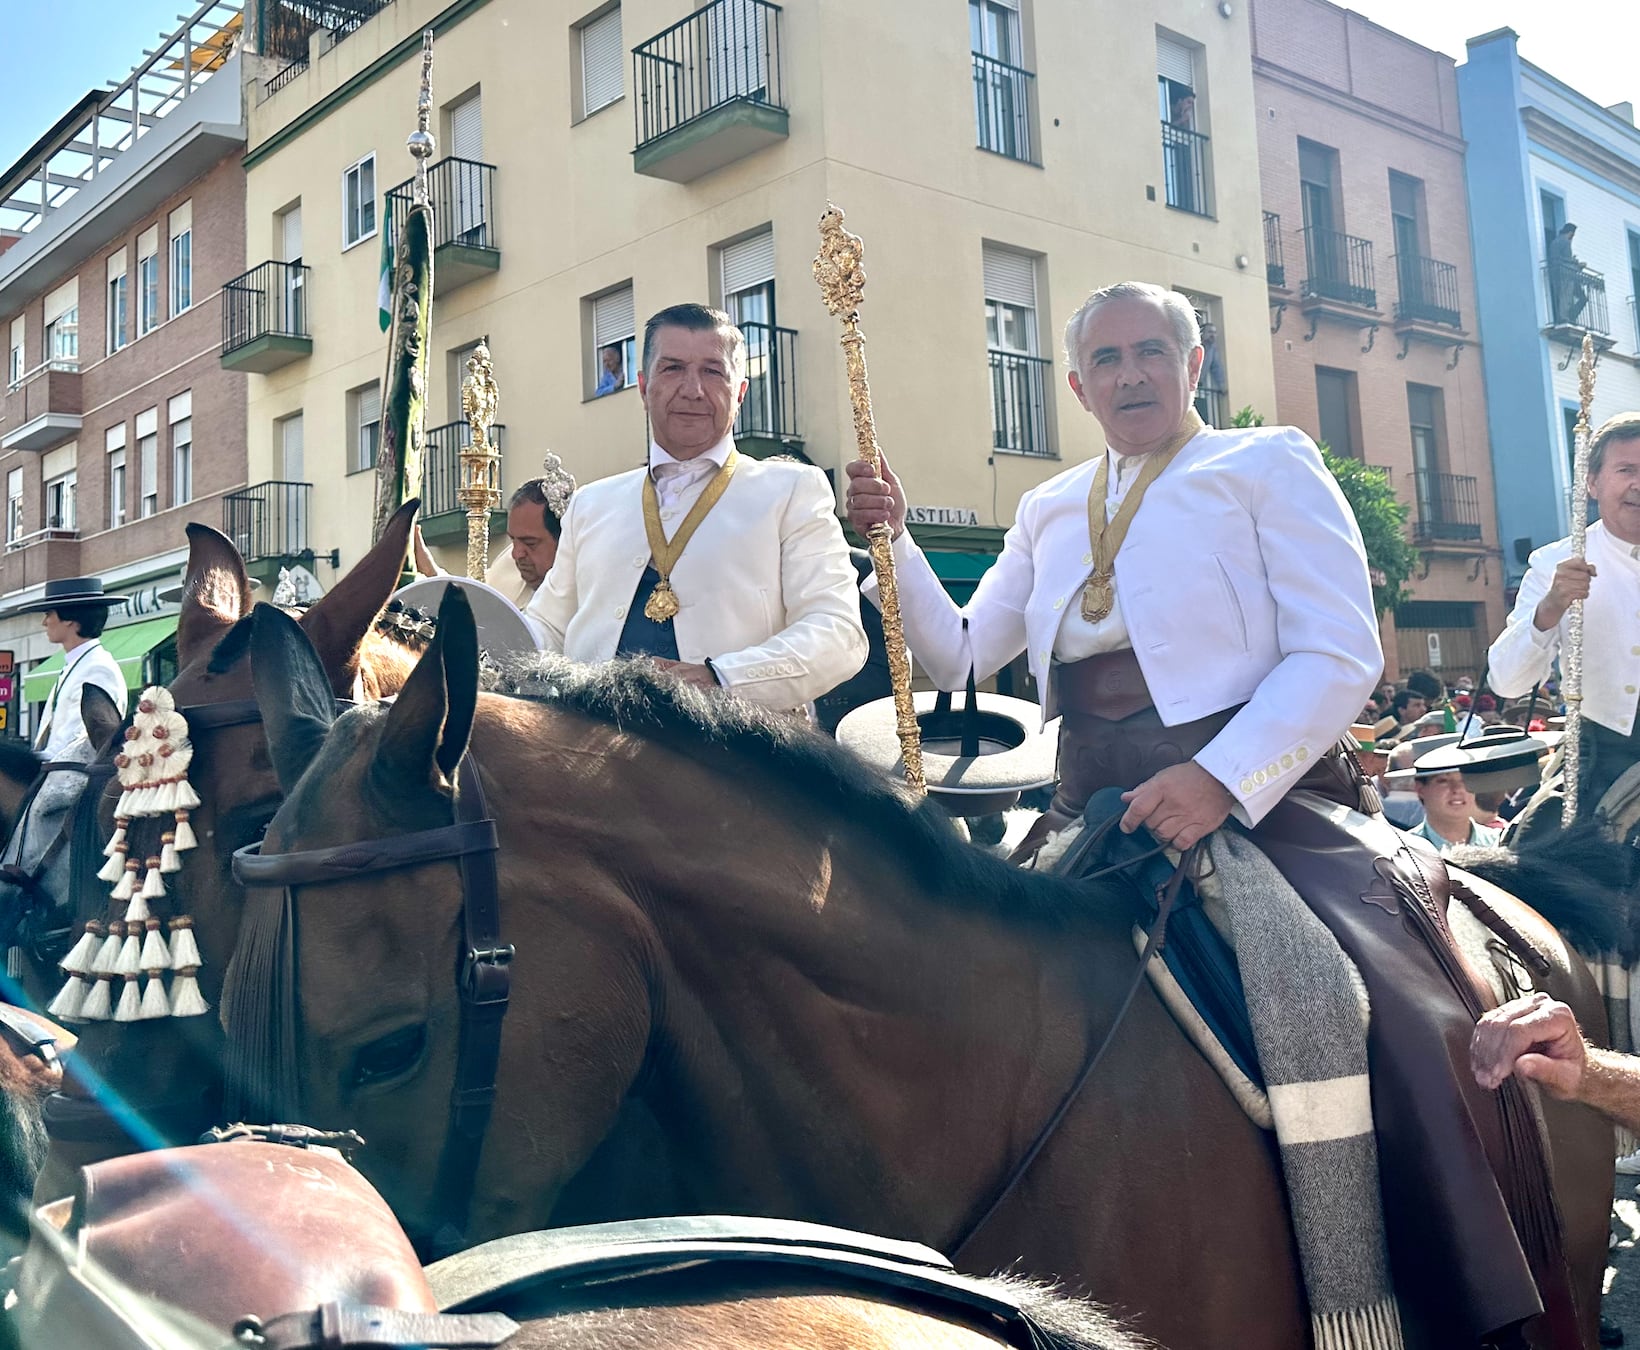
873 498
1571 582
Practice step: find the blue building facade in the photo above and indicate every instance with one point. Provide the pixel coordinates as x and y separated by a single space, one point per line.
1542 156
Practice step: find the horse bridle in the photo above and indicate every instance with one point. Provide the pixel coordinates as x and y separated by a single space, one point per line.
483 980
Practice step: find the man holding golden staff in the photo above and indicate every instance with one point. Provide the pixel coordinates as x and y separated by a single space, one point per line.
1195 604
728 571
1607 580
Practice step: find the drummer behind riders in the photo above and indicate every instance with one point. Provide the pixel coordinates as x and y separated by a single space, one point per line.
1239 583
726 570
1608 582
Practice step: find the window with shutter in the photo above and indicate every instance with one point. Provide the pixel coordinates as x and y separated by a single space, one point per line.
748 264
467 128
614 342
365 417
601 62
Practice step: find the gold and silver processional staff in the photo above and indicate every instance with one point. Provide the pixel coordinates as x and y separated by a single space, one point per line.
842 282
1572 659
480 490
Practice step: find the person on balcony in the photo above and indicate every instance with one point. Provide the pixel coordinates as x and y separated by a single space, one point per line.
75 611
613 375
1211 388
1568 293
1607 580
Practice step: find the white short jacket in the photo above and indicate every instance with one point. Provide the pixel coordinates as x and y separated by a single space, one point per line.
1242 580
61 735
765 587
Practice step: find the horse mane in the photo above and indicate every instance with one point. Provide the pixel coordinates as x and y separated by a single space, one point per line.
635 697
18 761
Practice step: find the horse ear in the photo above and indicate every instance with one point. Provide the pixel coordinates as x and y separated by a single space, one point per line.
292 690
216 593
338 623
101 716
430 722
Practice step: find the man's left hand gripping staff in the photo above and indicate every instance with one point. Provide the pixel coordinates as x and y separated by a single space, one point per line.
1180 805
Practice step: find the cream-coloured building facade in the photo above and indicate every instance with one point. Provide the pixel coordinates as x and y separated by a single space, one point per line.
628 157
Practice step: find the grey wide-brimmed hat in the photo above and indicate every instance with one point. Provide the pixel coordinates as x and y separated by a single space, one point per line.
1500 759
1014 751
67 591
1426 745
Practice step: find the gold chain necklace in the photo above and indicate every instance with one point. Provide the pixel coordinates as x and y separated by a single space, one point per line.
1099 593
663 600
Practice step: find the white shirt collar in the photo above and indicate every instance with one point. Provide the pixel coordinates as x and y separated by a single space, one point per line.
718 455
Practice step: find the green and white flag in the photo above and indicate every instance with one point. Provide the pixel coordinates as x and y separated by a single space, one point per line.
384 284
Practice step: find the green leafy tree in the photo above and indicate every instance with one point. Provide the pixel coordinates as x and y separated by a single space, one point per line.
1381 517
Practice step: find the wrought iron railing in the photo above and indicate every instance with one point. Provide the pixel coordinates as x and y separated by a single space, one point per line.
725 52
1019 403
1428 290
269 520
1339 267
1275 262
1577 297
284 77
462 194
285 28
1184 164
441 469
1002 108
770 406
268 299
1213 405
1448 508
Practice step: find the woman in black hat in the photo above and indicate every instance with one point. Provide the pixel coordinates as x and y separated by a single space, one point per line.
75 610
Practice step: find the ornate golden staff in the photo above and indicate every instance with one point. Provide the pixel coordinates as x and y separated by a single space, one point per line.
1573 659
480 490
842 283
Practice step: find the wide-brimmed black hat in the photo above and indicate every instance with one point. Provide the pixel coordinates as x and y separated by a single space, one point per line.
69 591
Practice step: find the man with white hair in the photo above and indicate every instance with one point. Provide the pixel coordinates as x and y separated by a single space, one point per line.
1195 604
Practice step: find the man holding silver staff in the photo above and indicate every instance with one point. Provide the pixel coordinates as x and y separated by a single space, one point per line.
1607 580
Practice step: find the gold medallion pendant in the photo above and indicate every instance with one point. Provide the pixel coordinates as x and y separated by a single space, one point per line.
1098 597
662 604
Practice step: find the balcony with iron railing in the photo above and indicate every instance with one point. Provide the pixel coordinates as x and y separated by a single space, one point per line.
443 517
1428 291
1575 299
709 90
461 193
767 421
264 318
1275 261
1019 404
1213 405
1338 268
1185 169
1446 508
42 409
285 31
269 521
1003 112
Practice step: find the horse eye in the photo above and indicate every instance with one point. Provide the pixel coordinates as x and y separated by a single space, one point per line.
393 1056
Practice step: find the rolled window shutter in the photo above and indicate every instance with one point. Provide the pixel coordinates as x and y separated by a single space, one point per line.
116 265
370 405
1176 62
1010 277
182 219
148 242
181 406
601 61
60 301
749 263
612 317
467 129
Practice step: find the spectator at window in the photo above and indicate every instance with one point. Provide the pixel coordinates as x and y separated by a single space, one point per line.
613 375
1567 292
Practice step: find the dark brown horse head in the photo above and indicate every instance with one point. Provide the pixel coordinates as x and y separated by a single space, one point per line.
378 1018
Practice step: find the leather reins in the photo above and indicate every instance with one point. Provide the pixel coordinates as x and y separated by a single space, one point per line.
483 981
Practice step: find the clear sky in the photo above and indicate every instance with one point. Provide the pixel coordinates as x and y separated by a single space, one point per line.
52 51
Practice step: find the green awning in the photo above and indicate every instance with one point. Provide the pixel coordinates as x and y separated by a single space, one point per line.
127 645
960 572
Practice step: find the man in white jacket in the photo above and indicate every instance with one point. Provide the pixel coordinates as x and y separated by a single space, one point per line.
1608 583
729 571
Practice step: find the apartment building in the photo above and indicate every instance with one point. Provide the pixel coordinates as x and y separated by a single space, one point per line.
596 165
1373 311
118 424
1541 156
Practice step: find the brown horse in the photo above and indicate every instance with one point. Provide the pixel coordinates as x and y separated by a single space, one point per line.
151 1083
831 1008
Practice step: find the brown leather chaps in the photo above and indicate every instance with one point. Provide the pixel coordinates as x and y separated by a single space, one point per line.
1459 1268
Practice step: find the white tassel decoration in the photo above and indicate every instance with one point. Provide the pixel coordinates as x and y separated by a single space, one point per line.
154 1002
70 999
98 1005
156 956
168 861
124 807
165 798
108 955
186 1000
84 952
114 868
184 949
128 882
153 885
187 798
130 1007
116 842
185 833
136 913
130 961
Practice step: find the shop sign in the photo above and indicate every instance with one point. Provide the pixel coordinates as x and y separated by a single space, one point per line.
941 515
